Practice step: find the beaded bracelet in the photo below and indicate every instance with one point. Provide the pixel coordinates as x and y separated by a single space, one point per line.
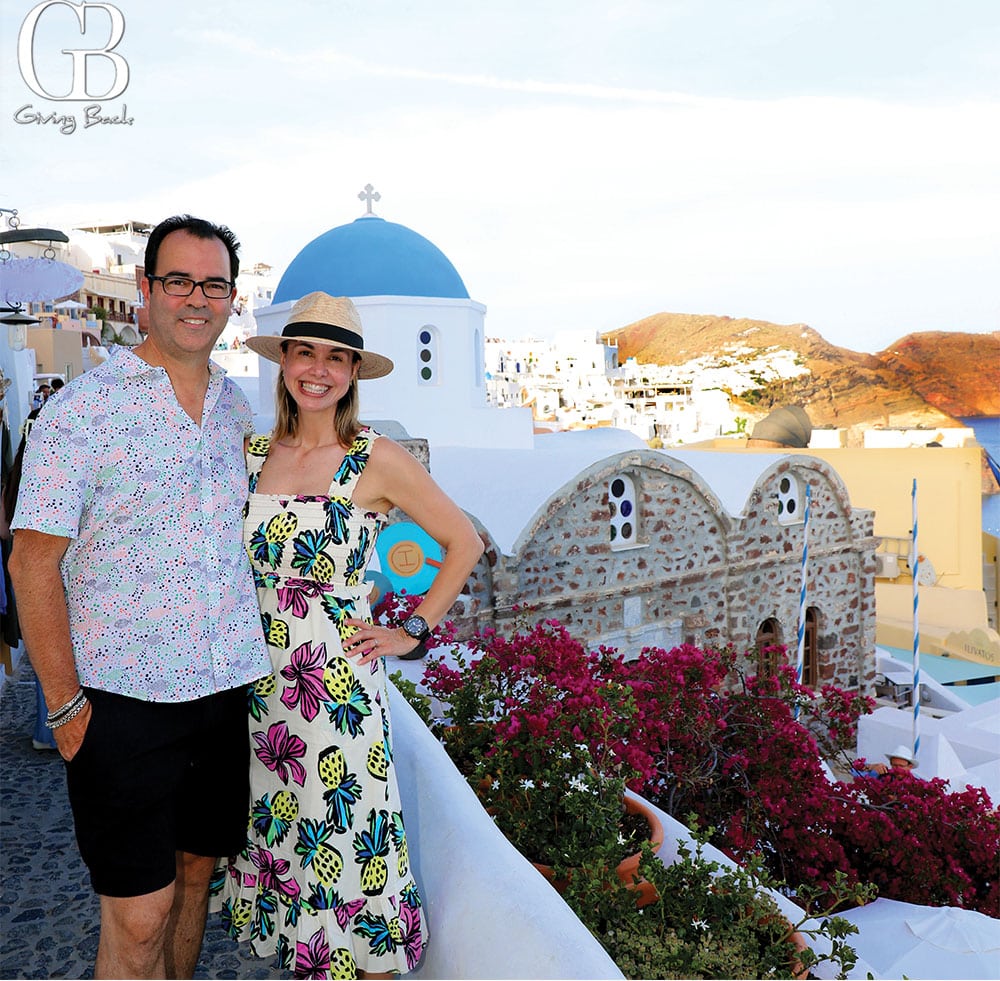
63 713
70 715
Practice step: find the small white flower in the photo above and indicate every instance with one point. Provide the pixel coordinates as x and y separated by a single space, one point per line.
621 838
528 784
577 784
699 924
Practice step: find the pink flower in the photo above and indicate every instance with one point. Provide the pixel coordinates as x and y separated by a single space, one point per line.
280 751
413 941
274 873
305 670
312 959
295 594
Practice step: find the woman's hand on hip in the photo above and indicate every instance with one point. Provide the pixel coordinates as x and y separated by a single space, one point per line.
370 641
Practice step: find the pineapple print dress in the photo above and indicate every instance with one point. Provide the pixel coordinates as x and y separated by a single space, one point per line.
324 880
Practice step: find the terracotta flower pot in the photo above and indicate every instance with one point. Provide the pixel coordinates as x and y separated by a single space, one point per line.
800 944
628 868
798 971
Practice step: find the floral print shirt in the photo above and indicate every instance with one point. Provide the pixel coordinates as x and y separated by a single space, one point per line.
161 599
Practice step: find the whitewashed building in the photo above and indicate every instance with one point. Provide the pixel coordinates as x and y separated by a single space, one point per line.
415 310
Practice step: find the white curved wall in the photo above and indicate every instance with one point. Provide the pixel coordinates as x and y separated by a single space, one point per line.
490 914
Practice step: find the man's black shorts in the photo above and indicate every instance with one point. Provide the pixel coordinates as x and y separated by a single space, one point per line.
155 778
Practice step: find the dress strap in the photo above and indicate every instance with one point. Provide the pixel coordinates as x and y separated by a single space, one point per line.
257 450
354 463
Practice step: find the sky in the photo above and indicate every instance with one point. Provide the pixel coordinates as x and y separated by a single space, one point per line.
582 164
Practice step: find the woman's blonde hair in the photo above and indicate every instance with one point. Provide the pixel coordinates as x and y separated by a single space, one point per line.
346 422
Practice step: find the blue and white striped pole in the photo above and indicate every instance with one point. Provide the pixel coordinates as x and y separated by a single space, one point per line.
800 660
915 569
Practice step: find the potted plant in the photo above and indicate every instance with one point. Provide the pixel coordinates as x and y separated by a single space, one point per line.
537 725
708 920
558 803
744 752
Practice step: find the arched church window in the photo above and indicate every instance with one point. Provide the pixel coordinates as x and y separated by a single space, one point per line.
768 643
622 504
791 501
427 355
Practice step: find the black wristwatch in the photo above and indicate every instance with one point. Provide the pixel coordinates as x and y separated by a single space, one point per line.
416 627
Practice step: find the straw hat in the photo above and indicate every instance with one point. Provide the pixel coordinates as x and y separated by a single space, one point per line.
904 753
319 318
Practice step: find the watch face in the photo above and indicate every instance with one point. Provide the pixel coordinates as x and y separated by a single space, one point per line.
415 626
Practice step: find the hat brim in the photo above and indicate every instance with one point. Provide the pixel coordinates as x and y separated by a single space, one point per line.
269 346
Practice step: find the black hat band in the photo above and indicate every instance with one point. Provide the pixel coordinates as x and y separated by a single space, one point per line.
326 332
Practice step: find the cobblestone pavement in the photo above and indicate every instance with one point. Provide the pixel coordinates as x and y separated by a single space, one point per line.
48 913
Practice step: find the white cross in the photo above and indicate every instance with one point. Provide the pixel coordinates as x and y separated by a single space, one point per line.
368 195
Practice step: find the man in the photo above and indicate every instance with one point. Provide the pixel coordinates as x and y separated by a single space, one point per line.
138 610
901 760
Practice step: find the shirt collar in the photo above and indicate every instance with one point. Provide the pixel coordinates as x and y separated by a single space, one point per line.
132 366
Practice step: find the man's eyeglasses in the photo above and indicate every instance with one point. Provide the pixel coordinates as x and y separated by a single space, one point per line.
214 289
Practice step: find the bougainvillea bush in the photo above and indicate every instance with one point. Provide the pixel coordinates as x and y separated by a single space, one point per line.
919 841
538 726
695 733
745 763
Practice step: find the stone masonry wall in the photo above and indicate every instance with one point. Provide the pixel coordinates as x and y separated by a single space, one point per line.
697 574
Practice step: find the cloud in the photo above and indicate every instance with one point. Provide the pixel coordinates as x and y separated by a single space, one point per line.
334 62
564 203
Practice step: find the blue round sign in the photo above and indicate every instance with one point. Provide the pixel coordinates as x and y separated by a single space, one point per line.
409 557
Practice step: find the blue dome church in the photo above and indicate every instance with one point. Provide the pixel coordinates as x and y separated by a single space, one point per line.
371 257
415 309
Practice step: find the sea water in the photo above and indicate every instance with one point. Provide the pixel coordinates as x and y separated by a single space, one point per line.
987 430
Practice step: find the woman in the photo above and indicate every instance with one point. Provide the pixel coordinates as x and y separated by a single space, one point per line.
324 880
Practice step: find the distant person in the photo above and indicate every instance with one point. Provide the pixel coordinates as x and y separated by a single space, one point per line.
901 760
41 736
42 394
137 607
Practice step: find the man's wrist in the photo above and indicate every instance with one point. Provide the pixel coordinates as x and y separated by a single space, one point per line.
68 711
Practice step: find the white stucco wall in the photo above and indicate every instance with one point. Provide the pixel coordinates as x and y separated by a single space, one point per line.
490 914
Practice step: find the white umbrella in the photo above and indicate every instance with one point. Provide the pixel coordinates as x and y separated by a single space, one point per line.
70 305
37 279
903 940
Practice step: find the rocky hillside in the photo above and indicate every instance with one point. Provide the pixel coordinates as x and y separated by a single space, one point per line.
924 380
956 373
